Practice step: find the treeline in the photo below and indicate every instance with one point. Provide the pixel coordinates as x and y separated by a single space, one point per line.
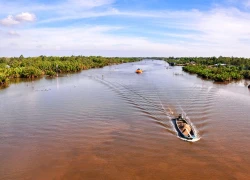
220 73
32 67
217 69
236 61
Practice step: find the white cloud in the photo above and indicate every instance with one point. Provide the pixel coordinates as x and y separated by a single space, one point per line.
247 3
19 18
244 3
9 21
83 40
224 28
61 7
81 15
25 16
90 3
219 31
13 33
214 33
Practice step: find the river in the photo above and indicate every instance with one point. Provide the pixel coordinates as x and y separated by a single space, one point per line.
112 123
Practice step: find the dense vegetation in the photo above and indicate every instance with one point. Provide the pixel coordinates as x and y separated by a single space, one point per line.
217 69
33 67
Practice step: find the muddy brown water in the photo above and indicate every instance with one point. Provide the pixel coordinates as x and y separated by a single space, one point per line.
112 123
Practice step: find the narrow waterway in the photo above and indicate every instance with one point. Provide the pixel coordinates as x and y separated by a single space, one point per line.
112 123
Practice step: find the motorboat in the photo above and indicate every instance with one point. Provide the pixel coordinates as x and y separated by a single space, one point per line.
138 71
184 129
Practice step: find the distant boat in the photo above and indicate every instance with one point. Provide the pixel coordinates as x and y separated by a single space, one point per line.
184 129
138 71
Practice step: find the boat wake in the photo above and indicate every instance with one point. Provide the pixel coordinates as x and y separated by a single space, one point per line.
190 140
148 102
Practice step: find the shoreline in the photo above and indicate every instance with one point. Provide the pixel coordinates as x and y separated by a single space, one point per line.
37 67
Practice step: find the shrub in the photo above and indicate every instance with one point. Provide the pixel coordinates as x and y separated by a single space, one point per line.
3 79
31 72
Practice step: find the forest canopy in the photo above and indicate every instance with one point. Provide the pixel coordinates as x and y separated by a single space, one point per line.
218 69
33 67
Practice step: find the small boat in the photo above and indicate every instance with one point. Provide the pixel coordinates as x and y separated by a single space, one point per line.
138 71
184 129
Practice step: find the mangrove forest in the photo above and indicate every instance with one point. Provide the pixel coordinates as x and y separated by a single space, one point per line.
221 69
33 67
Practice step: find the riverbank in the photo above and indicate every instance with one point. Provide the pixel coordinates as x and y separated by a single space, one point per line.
34 67
219 74
221 69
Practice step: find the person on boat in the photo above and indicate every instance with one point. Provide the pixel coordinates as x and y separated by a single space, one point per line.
186 129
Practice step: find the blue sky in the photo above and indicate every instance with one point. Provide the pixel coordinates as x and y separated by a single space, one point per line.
125 27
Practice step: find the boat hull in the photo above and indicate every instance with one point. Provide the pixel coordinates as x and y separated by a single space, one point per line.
138 71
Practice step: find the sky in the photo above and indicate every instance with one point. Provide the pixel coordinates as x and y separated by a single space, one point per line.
127 28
